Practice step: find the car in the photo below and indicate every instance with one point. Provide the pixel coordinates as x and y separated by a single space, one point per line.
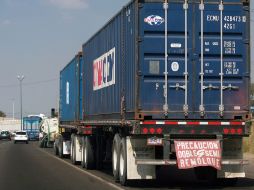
21 136
5 135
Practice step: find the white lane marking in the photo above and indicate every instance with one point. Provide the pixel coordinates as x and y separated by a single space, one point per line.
81 170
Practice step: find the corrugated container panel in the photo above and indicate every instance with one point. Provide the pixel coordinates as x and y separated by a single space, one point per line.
70 101
124 62
80 71
105 67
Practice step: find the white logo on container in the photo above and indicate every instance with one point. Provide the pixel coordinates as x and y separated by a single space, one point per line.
154 20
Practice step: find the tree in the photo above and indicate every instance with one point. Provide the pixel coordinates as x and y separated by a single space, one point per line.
252 94
2 114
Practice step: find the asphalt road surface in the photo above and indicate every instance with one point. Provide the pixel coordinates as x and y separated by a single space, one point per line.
27 167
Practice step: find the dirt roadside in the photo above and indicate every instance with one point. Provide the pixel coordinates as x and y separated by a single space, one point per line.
249 169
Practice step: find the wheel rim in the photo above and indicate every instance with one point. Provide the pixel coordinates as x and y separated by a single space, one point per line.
114 159
121 164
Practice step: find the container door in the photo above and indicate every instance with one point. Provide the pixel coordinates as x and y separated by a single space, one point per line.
199 85
152 60
224 59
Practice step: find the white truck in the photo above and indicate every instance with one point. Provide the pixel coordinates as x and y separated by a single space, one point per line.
48 131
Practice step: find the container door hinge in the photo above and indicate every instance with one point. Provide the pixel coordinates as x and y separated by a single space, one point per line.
202 110
246 41
140 5
139 39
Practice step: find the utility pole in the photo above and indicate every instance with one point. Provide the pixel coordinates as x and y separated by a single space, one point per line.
21 78
13 109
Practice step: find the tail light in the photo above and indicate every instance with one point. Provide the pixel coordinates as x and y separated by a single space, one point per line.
152 130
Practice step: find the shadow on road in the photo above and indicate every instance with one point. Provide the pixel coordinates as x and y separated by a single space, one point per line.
172 178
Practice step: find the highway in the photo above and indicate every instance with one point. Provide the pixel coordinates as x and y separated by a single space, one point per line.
27 167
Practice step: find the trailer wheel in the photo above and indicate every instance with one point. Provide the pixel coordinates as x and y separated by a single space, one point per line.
230 181
82 152
60 147
116 156
56 149
88 161
123 163
73 149
41 144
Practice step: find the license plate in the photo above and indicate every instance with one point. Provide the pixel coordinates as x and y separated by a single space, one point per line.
154 141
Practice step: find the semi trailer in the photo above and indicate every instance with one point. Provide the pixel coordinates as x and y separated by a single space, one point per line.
161 83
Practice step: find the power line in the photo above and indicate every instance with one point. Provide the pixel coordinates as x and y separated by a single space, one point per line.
28 84
40 82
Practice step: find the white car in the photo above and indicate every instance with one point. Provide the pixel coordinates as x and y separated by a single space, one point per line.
21 136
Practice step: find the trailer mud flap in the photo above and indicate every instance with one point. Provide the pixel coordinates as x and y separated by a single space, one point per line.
138 149
192 154
232 150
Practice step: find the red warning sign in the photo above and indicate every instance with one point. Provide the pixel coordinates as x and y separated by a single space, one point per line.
191 154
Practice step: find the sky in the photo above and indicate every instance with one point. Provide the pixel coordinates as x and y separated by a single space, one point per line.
37 39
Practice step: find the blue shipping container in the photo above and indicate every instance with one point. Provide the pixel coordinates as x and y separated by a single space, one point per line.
71 90
207 62
31 125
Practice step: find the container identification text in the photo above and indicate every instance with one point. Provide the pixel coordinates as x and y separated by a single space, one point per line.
104 70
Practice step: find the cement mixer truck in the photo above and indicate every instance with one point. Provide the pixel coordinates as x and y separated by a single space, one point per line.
48 131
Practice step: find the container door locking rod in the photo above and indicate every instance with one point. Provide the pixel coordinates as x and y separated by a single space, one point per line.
165 106
185 106
221 106
201 107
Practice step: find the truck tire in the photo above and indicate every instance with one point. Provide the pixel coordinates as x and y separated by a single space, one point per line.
88 158
116 156
45 143
82 152
60 147
123 163
56 149
41 144
73 150
230 181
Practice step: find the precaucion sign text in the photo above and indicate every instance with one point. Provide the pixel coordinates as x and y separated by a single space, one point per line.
192 154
